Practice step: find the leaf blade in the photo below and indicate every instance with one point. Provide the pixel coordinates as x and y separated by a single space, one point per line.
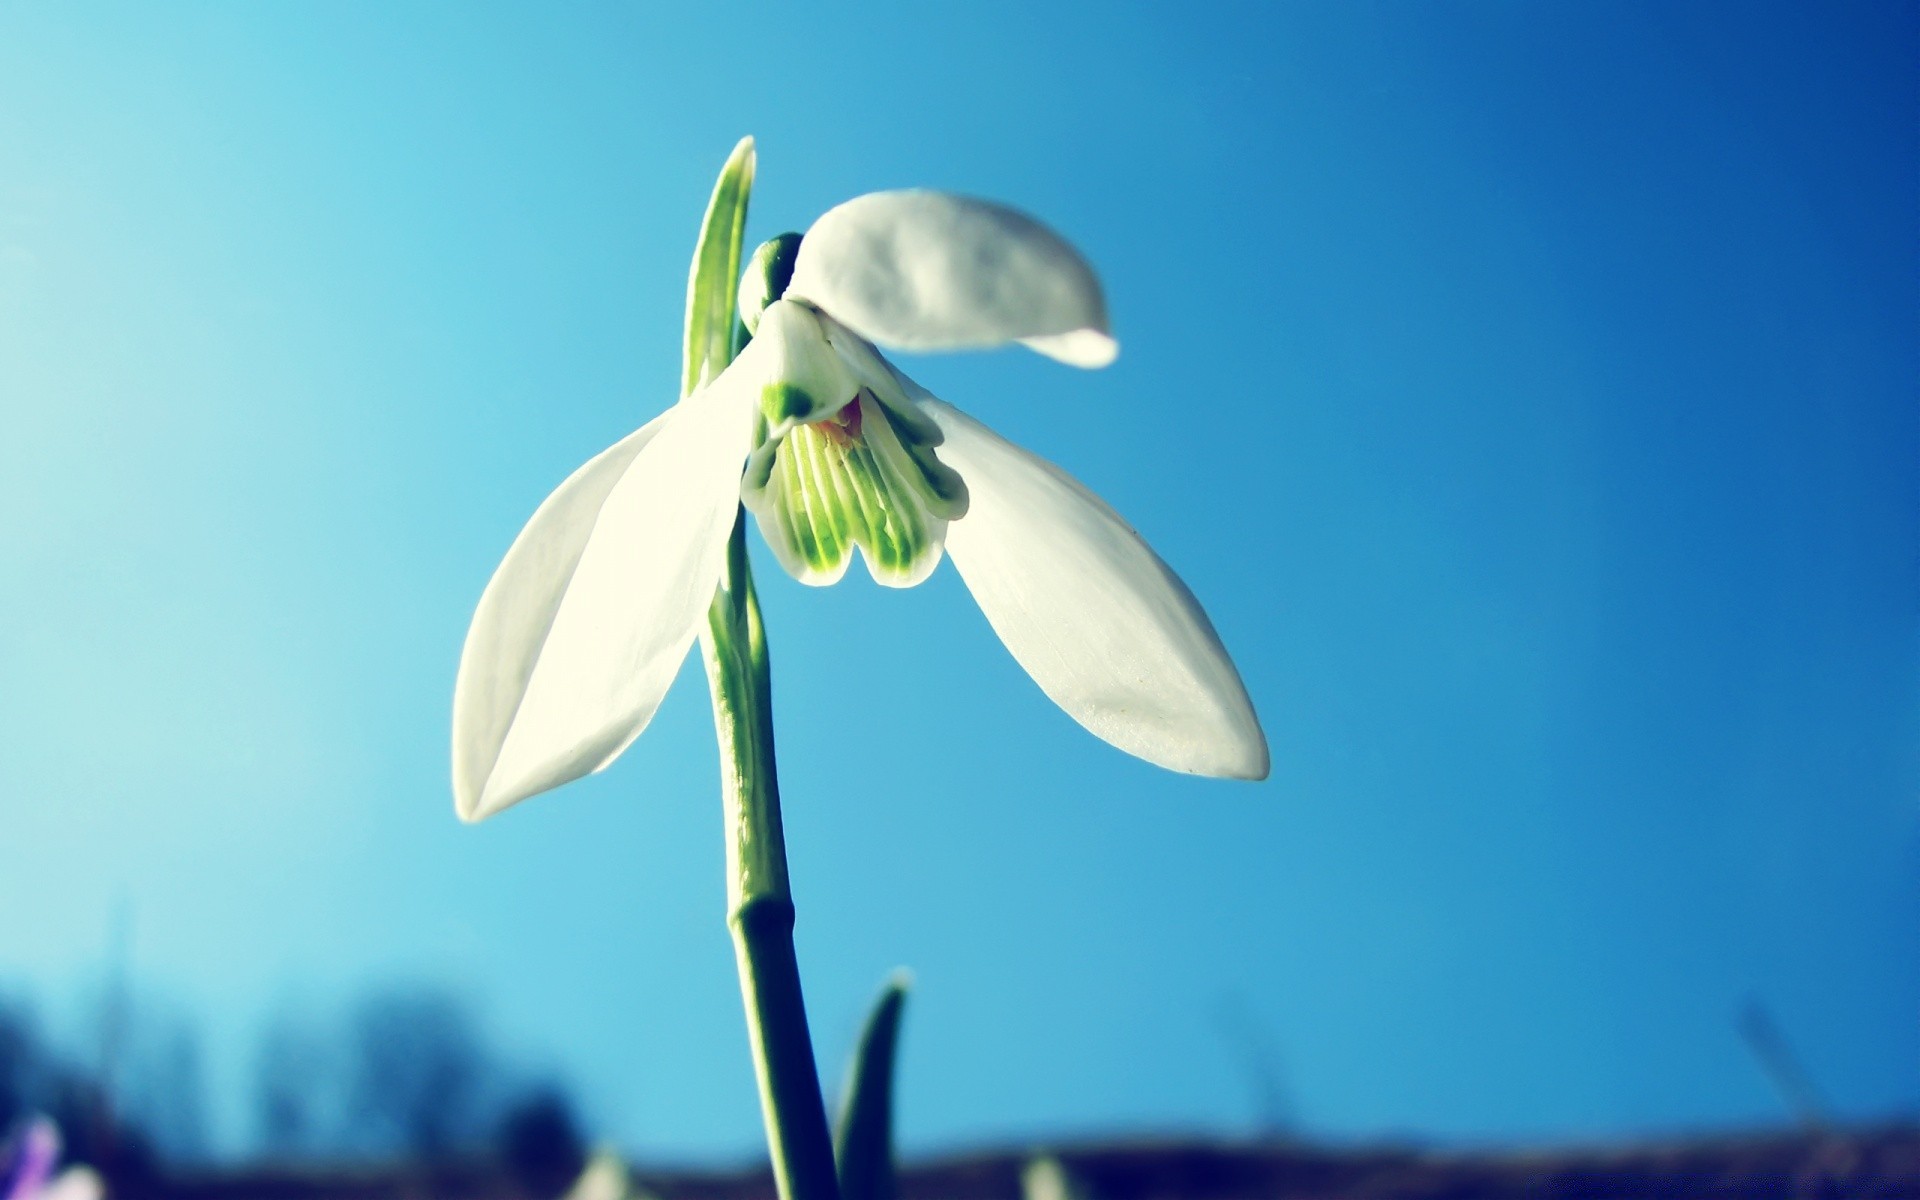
713 280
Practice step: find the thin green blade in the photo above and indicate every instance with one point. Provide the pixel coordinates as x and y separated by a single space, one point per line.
714 278
863 1143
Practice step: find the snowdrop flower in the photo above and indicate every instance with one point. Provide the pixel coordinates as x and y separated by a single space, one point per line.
833 450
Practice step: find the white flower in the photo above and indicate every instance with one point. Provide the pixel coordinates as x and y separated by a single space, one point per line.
588 619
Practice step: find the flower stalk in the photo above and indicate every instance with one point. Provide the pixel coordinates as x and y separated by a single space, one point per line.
733 646
834 451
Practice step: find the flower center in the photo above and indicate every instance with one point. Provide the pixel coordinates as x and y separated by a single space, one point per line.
843 427
859 477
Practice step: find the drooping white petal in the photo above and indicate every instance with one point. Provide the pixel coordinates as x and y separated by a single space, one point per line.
1105 628
930 271
517 609
585 624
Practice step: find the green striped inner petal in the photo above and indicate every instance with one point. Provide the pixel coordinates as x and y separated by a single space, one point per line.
859 478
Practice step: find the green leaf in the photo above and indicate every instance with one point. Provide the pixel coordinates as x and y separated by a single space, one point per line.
863 1143
713 279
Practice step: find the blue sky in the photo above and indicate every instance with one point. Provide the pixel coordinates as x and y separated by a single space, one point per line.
1527 392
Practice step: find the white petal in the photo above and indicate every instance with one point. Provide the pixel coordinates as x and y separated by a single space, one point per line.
518 608
585 624
1102 625
931 271
1080 348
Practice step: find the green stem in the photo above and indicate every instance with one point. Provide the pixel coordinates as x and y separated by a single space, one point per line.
734 647
759 901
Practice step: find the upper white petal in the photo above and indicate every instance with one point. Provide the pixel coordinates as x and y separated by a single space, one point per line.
1077 348
931 271
1105 628
585 624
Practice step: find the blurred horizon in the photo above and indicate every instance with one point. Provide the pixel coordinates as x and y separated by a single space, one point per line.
1527 393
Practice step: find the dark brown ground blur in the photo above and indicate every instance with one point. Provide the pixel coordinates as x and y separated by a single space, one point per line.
1859 1163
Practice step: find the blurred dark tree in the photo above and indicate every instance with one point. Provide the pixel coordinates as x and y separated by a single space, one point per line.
296 1086
34 1078
91 1133
405 1074
162 1084
539 1142
419 1077
19 1062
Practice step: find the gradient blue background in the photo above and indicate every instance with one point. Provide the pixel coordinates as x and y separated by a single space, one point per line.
1527 390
